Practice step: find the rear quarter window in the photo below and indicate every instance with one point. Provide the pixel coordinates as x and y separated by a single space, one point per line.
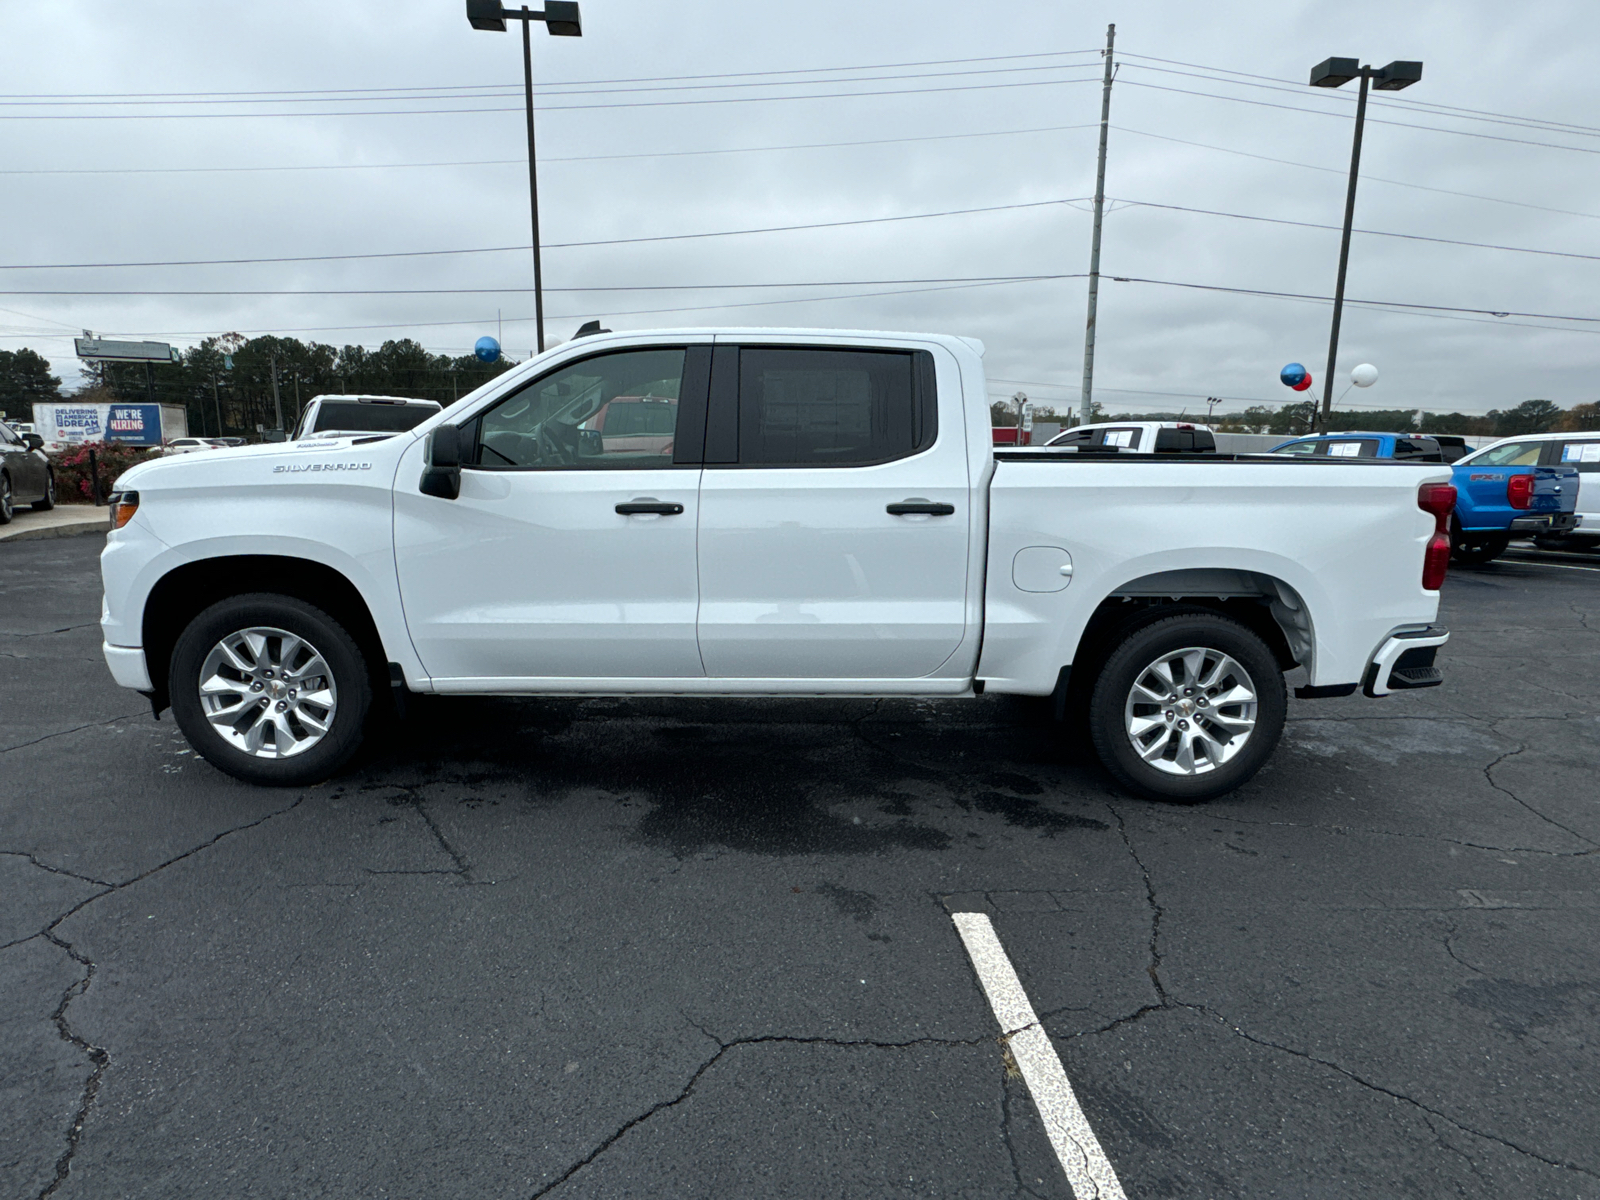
1583 455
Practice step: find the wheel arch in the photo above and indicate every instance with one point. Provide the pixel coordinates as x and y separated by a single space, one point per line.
189 589
1266 605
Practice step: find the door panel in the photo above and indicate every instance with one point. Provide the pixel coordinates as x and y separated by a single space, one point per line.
804 573
534 574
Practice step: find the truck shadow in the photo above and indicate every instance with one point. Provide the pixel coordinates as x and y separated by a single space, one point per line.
774 777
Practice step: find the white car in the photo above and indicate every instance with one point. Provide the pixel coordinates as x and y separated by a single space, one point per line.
829 518
340 415
1580 450
186 445
1138 437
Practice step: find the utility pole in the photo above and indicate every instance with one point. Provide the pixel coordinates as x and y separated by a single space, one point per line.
1094 252
216 398
277 404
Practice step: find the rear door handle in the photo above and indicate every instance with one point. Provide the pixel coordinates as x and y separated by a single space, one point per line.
630 507
925 507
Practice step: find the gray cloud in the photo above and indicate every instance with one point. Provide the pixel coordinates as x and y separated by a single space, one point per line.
1153 339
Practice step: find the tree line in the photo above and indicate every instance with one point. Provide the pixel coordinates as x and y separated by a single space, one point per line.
237 400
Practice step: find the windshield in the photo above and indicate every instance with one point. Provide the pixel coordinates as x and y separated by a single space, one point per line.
373 418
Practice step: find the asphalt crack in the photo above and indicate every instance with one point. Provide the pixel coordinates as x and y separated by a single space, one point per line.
63 732
44 866
1488 774
724 1048
99 1056
1156 911
1393 1094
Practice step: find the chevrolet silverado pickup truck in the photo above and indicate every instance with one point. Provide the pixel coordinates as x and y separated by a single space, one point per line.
829 518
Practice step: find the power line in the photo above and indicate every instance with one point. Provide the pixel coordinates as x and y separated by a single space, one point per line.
1318 112
543 91
523 162
1400 304
484 321
423 112
667 237
495 291
936 62
1400 103
1421 187
1415 237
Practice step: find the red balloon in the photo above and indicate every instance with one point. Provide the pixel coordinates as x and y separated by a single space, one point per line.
1304 383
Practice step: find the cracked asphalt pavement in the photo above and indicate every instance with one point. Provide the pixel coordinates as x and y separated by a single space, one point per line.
702 949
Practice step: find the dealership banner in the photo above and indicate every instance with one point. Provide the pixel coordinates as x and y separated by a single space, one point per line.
135 424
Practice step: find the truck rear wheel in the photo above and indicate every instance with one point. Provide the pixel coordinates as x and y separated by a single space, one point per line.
1475 549
270 689
1187 708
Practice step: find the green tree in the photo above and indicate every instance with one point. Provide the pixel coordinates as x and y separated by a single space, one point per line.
25 380
1531 416
1295 419
1580 417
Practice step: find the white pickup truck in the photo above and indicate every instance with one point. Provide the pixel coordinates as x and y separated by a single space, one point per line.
764 513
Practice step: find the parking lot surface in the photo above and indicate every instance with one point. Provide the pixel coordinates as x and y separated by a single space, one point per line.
604 948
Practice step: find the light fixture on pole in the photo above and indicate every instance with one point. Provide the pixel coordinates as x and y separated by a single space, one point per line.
561 18
1332 73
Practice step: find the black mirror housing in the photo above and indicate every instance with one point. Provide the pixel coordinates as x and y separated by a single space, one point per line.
442 476
33 441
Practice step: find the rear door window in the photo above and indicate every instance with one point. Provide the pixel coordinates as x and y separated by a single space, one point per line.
1127 439
821 407
1353 448
1585 455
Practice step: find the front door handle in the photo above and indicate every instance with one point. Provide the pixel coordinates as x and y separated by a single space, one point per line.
926 507
645 505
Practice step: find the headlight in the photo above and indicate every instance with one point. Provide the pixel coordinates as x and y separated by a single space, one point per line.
123 506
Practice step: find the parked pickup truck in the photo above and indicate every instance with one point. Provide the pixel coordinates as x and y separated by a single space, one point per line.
830 519
1520 487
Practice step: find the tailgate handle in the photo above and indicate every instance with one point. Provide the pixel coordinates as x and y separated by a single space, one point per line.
925 507
630 507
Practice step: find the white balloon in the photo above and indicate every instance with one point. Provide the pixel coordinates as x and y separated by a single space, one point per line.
1364 375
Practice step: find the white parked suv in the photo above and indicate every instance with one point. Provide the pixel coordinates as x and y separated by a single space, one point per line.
1582 451
185 445
827 517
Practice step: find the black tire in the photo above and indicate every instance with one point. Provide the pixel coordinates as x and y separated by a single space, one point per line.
48 501
1130 660
1475 549
350 674
7 502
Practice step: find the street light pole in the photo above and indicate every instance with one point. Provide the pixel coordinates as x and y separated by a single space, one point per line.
533 182
1335 72
560 20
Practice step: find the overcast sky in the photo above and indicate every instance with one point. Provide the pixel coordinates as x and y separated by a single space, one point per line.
1033 121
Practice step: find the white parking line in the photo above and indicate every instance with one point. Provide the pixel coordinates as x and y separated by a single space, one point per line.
1088 1170
1533 562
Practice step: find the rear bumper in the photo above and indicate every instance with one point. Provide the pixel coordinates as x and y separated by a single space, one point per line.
1545 523
1404 662
127 666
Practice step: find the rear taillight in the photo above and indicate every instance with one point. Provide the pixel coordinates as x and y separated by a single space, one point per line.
1439 499
1519 491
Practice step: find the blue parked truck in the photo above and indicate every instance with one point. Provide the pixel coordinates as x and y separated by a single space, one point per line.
1519 487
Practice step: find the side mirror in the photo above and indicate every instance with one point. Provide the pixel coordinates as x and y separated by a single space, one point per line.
33 441
442 475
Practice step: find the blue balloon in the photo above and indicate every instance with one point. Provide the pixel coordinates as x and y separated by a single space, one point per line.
1292 375
487 349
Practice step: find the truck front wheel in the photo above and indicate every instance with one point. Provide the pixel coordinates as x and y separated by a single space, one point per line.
270 689
1187 708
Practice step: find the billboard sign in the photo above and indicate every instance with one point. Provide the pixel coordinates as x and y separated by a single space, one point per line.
131 424
104 350
134 424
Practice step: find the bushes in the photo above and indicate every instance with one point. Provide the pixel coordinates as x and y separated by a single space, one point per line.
72 469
